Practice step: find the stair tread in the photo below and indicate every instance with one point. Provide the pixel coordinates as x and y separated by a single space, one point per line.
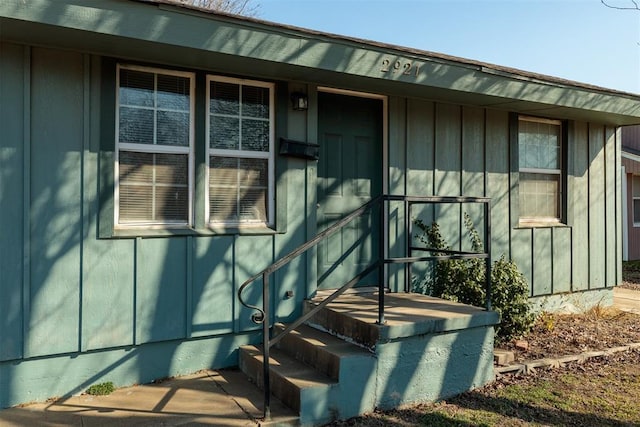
325 341
289 368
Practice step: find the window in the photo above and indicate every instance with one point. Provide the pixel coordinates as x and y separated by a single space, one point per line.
240 152
154 156
540 158
635 184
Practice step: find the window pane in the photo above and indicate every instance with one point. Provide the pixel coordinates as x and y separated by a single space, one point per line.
238 189
135 125
173 128
136 204
136 88
223 189
225 98
636 211
171 169
253 204
173 92
539 144
172 204
225 132
253 172
153 188
539 195
255 102
636 185
255 135
253 189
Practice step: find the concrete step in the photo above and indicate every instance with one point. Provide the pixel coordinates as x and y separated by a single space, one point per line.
364 332
299 386
321 350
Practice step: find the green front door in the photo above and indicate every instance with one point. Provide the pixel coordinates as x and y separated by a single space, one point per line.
349 175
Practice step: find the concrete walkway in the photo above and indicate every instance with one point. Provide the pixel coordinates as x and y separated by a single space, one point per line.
214 398
626 300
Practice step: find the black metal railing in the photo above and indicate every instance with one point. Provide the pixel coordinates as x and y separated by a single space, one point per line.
262 315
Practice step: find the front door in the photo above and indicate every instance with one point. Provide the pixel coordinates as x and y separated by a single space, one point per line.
350 133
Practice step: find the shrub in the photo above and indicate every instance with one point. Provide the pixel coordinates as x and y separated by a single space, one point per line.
101 389
464 281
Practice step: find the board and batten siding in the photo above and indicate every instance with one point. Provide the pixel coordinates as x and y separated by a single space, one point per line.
134 309
449 150
65 290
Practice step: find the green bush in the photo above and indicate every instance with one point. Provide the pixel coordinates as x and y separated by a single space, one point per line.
464 281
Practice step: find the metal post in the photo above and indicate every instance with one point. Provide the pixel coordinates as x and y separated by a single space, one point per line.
382 267
265 346
408 235
487 248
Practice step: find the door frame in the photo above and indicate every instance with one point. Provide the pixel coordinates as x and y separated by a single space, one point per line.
385 158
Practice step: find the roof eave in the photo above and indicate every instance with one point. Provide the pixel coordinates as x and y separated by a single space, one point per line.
295 53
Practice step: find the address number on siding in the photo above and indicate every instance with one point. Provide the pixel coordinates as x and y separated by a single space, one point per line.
407 68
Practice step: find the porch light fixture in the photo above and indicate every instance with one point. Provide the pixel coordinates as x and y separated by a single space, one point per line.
299 101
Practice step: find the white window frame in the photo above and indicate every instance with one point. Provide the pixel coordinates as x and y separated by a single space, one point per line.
529 220
153 148
245 154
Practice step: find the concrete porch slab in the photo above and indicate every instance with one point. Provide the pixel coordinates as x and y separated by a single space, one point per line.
405 315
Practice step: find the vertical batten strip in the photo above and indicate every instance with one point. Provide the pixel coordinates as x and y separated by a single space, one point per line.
189 287
84 206
618 203
136 282
611 239
485 183
26 201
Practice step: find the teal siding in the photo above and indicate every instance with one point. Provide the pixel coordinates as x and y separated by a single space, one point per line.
611 241
597 213
108 293
160 289
469 151
212 299
55 211
561 259
497 170
420 156
578 204
420 148
448 170
12 185
542 261
71 289
522 244
473 167
64 289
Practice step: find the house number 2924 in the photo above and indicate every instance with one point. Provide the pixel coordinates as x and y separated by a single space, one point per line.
406 68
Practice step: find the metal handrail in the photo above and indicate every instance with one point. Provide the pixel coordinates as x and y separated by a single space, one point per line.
262 315
257 318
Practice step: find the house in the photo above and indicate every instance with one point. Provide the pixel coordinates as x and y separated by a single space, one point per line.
155 157
630 193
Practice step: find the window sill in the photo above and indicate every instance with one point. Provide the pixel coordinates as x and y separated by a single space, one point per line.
540 224
128 233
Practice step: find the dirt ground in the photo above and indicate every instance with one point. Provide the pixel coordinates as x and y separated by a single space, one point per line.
562 335
598 329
